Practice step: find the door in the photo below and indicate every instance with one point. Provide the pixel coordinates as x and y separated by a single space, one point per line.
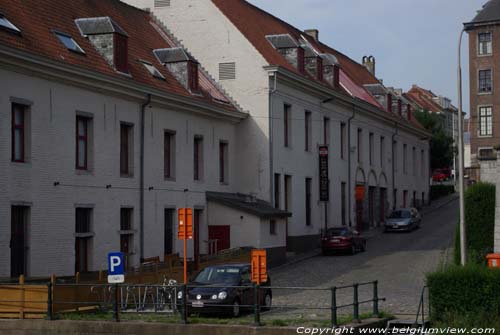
196 236
168 235
222 234
371 206
360 196
383 199
19 216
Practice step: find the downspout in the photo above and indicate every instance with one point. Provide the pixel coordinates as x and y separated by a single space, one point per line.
349 162
141 178
393 165
271 138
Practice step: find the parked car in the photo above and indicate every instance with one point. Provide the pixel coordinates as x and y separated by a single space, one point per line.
438 176
403 219
212 291
342 239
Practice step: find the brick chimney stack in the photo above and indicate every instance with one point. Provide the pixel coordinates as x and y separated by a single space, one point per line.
369 63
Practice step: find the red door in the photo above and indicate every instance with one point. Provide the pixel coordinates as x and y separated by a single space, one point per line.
222 234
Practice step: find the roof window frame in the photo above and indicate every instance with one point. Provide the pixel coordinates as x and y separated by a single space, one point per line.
156 74
12 28
79 49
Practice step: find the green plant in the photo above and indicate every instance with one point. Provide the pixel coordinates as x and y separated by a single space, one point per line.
480 223
471 292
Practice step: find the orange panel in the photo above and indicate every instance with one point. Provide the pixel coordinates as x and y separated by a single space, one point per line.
185 217
259 266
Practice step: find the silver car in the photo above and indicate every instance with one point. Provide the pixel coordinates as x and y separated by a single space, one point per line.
403 219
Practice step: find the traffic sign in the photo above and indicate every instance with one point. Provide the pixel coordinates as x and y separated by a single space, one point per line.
116 270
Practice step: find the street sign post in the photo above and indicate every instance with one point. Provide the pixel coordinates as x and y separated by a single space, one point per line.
185 232
116 270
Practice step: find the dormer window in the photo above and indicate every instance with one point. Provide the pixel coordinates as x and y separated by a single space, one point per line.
182 65
69 42
109 39
331 70
6 24
389 103
288 47
152 69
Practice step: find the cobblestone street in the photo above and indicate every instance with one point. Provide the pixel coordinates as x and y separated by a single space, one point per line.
399 261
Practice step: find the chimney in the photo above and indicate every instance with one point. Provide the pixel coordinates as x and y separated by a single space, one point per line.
314 33
180 63
369 63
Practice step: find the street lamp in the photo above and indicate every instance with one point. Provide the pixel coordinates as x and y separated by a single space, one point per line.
463 251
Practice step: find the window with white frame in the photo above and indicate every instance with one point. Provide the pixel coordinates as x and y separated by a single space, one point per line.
485 44
485 121
485 82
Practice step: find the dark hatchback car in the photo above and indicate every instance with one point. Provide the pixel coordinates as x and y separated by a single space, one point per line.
212 291
342 239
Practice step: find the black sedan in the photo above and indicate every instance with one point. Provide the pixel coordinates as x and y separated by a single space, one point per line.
213 291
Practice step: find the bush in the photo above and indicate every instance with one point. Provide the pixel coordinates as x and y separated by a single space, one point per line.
439 191
479 221
469 293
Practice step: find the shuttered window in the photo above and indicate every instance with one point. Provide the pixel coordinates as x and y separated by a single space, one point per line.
227 71
162 3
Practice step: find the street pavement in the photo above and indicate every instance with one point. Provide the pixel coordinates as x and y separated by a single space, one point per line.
399 261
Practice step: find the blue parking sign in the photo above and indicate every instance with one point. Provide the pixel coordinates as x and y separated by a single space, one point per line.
116 270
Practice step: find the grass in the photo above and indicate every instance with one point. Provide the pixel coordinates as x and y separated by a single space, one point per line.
248 319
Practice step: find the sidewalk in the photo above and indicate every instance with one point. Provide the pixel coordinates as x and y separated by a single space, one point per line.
435 205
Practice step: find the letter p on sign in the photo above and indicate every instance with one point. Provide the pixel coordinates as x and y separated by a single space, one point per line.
116 273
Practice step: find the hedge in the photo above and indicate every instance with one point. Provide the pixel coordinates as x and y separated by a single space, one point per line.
439 191
470 292
479 221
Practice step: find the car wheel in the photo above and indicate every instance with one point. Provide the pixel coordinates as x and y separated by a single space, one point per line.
268 300
235 308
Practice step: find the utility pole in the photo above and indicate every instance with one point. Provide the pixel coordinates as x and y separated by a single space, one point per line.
463 251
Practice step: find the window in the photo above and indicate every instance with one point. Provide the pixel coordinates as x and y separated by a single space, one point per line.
342 140
286 126
326 131
272 227
193 76
121 52
395 155
307 131
19 115
485 121
485 44
382 152
343 202
288 192
83 239
394 198
82 142
277 190
485 83
169 155
404 158
126 235
413 160
126 147
19 220
223 162
69 42
422 163
153 70
168 231
372 148
308 201
360 145
405 198
6 24
198 158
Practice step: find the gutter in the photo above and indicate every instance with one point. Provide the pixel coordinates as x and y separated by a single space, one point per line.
271 137
393 168
349 162
141 178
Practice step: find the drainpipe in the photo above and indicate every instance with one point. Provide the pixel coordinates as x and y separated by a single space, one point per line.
141 179
393 164
349 162
271 138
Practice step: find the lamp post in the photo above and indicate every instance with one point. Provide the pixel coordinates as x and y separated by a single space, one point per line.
463 251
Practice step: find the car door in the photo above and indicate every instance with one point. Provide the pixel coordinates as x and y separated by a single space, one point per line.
247 289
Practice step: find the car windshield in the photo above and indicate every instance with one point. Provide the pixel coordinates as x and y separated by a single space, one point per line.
400 215
217 275
337 232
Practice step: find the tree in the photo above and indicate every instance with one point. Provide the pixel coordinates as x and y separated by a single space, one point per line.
441 145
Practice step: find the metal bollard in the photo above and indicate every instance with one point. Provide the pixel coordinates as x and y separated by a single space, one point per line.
334 307
116 305
356 304
256 304
184 312
376 313
49 301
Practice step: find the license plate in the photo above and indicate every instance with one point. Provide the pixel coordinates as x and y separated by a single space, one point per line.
197 303
335 241
395 226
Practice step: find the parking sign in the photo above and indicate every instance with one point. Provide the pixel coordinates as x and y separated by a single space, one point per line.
116 273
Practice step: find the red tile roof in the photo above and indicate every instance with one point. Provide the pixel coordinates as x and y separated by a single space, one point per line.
423 98
255 24
37 19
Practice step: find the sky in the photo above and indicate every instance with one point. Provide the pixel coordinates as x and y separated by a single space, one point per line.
413 41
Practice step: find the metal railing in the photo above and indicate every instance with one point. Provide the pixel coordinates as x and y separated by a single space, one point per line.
166 299
421 309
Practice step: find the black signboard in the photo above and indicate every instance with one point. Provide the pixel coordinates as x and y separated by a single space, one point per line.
324 185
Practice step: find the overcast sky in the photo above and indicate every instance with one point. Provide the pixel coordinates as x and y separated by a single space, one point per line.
413 41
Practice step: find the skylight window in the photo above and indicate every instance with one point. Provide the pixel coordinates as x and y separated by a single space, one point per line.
153 70
69 42
4 23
